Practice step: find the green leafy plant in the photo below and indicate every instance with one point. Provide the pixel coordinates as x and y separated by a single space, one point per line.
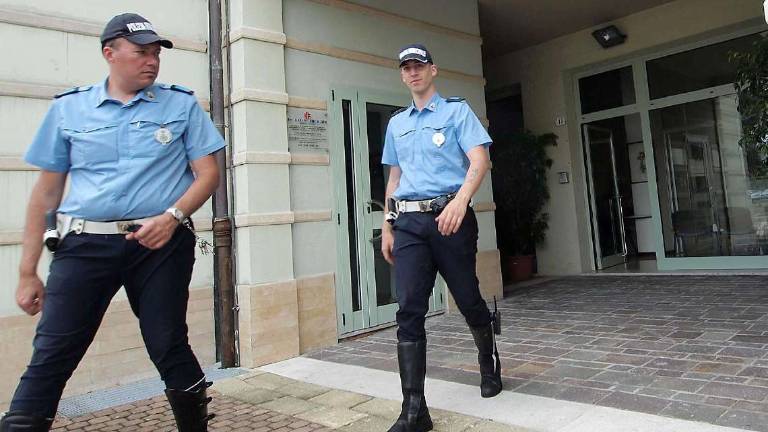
520 190
751 84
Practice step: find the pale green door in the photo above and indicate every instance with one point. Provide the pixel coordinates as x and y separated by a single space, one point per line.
365 281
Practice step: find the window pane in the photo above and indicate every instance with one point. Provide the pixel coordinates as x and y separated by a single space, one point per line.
607 90
696 69
713 194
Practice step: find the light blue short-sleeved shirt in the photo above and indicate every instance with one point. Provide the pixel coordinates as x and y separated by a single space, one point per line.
430 147
120 166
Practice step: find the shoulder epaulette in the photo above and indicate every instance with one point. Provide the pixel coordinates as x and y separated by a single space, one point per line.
398 111
72 90
455 99
177 88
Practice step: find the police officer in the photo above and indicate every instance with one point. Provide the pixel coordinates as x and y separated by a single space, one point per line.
437 151
139 159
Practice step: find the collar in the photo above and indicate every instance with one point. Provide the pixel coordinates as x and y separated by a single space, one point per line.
433 104
148 94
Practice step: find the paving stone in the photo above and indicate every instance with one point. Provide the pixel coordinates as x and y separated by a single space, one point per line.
671 364
289 405
633 402
572 372
735 391
759 372
692 411
332 417
340 399
303 390
744 419
368 424
381 408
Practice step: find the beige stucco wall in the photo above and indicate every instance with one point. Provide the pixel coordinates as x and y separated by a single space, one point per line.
541 72
47 47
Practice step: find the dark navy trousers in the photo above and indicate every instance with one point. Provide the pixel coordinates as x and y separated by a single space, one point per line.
420 251
86 272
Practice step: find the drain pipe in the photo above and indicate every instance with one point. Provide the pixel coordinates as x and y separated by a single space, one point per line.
223 274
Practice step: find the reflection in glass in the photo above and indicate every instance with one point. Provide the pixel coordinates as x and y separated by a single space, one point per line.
710 193
618 188
349 166
695 69
377 118
607 90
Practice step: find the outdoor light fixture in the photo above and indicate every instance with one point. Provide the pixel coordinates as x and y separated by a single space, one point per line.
610 36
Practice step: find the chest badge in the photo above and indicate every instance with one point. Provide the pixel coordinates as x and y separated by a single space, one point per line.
438 138
163 135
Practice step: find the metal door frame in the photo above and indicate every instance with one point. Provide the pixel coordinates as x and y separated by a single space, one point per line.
615 259
370 315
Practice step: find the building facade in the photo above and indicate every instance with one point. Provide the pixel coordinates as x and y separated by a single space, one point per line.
310 85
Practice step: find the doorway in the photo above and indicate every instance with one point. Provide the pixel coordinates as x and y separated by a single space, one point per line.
365 285
618 192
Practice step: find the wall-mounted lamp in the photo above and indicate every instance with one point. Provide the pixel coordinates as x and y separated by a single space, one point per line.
609 36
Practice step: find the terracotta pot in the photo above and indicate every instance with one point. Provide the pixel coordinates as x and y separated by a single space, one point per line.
517 268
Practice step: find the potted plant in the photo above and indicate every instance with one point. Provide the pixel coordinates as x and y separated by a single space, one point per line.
520 190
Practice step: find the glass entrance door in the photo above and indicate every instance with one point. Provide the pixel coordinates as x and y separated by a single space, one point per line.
710 189
366 295
606 197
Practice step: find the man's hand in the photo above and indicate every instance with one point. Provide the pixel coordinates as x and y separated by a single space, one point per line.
387 242
30 293
451 217
155 232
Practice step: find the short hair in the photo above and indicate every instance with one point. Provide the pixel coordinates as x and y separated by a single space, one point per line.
112 43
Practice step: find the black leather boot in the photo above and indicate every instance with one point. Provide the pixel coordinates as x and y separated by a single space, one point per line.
190 408
412 359
18 421
490 370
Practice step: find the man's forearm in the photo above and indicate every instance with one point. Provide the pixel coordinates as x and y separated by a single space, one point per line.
46 195
197 194
473 180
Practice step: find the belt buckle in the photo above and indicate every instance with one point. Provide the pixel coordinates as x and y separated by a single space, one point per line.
424 206
123 227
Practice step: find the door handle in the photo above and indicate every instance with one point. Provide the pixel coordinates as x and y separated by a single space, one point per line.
375 202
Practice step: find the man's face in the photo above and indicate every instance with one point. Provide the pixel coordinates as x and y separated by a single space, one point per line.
135 65
418 76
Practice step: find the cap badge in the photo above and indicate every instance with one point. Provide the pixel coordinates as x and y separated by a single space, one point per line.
438 138
163 135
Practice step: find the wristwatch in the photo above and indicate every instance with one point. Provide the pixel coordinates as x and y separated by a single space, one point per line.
176 213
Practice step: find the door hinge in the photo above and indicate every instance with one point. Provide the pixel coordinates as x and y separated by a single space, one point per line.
343 319
441 298
338 218
333 95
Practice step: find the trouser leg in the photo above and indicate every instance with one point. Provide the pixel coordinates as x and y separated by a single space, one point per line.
415 273
455 256
157 284
81 282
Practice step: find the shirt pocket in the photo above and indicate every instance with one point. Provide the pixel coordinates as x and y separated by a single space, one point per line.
405 141
441 144
150 137
92 144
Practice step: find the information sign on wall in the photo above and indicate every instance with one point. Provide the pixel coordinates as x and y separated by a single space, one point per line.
307 130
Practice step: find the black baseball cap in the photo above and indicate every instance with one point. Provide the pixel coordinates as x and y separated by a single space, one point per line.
133 27
414 52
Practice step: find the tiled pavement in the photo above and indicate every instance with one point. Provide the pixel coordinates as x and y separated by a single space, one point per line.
689 347
262 402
